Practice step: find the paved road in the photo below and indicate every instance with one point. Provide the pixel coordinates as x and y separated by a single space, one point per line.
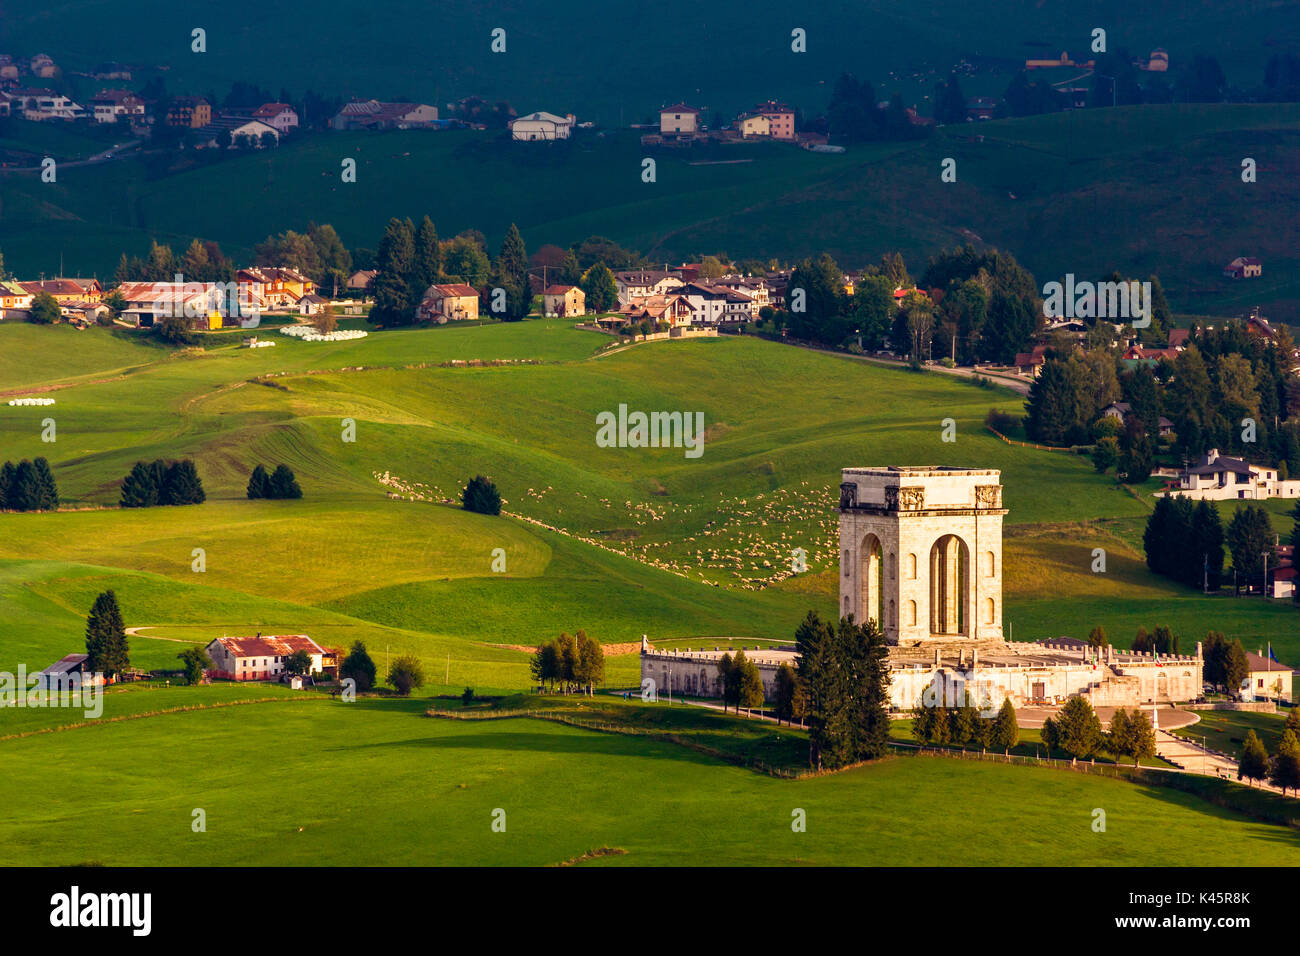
111 155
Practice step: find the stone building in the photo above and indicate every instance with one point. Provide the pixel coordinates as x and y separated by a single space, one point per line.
921 554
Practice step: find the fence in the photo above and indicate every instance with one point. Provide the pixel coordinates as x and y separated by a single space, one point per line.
1025 444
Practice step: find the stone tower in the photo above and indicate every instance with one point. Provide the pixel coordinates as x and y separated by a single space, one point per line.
921 552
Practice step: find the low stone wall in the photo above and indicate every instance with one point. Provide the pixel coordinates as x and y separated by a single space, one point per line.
1253 706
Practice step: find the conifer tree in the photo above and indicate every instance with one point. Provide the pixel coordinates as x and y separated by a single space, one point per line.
106 644
1253 763
138 488
259 483
1006 732
283 484
48 491
1284 771
7 472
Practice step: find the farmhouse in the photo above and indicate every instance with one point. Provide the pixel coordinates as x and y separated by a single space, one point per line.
243 132
754 125
14 296
541 125
452 302
1244 267
360 280
260 658
373 114
921 554
564 300
275 287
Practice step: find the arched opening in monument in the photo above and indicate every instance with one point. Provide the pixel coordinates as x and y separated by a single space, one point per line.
871 564
949 586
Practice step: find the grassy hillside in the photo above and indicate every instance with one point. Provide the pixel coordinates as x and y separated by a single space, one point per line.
565 56
1139 189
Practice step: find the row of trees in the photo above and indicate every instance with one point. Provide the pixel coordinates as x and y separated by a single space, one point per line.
278 484
28 486
843 681
162 483
573 662
963 726
1077 730
1282 769
1185 541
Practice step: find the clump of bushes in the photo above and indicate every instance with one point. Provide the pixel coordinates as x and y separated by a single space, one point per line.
162 483
280 483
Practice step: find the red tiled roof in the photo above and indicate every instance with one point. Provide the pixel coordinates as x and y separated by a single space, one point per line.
269 646
558 289
455 289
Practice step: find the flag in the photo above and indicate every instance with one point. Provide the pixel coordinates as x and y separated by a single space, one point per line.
1271 655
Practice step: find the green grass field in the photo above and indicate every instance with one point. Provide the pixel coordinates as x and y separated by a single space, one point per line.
1152 189
376 783
619 542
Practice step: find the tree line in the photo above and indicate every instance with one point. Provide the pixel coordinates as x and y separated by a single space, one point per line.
964 726
976 306
162 483
1077 730
276 485
573 662
28 486
1282 769
1185 541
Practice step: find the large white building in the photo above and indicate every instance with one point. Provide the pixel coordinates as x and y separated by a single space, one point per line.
1218 477
541 125
921 554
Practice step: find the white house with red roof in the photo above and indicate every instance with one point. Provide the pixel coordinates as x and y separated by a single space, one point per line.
1244 267
281 116
259 657
678 119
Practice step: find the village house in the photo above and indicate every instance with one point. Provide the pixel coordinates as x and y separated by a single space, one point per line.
448 302
1266 678
780 118
14 296
1244 267
1031 363
189 112
564 300
275 287
754 124
541 125
312 304
43 104
361 280
1123 411
260 658
636 284
679 120
42 65
374 114
65 291
1218 477
673 311
109 105
280 116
